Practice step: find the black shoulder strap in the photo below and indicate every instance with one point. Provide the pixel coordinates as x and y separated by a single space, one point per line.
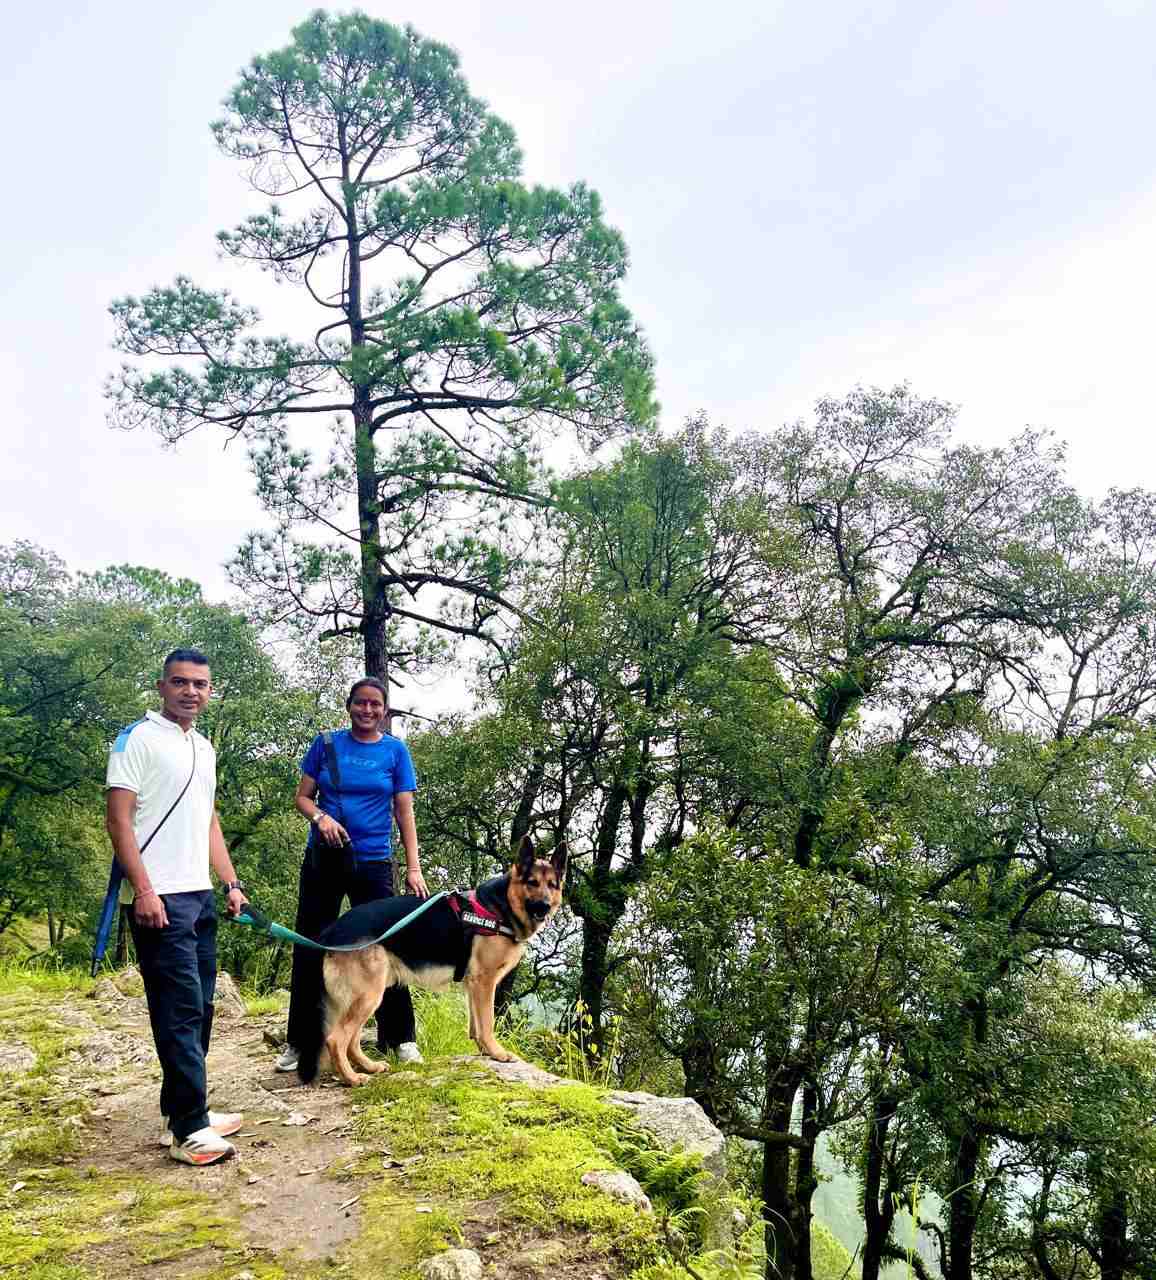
334 772
188 783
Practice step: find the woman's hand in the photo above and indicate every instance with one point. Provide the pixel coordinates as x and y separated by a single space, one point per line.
415 882
332 832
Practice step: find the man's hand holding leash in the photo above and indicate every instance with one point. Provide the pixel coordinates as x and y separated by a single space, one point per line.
235 900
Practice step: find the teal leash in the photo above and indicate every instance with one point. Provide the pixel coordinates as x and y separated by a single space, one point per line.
257 919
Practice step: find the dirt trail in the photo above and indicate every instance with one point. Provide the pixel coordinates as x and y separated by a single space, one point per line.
281 1183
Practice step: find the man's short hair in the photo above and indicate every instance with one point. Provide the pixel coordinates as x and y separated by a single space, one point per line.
194 656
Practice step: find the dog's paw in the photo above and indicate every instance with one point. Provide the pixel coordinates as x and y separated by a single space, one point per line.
355 1078
498 1054
375 1067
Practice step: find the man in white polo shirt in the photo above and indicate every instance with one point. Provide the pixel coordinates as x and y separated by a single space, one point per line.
162 779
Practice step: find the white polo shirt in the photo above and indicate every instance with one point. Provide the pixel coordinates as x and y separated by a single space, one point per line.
153 758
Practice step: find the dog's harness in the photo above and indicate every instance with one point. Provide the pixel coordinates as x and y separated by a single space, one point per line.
477 918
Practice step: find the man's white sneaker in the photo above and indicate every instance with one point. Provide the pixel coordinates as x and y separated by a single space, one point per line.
409 1052
288 1059
224 1122
206 1146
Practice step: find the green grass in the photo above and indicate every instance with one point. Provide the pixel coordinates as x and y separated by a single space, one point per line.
258 1006
559 1134
491 1153
46 977
55 1271
442 1023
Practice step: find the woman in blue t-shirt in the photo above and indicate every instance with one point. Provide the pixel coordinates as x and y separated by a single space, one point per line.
350 852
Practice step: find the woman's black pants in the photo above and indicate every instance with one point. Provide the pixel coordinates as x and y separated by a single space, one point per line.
326 878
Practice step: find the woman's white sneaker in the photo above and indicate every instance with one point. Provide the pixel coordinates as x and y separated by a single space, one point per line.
288 1059
206 1146
409 1052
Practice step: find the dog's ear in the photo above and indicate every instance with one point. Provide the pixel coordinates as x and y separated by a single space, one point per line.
525 858
559 858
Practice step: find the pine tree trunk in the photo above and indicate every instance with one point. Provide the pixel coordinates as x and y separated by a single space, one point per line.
374 601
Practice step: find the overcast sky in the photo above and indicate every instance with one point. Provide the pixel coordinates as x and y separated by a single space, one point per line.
962 195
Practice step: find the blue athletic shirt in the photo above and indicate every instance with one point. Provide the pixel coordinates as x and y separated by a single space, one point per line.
372 773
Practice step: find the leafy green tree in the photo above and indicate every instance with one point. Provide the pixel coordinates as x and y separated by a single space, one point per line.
472 776
1040 843
460 316
1038 854
908 574
782 977
653 585
66 682
79 658
1088 1202
926 597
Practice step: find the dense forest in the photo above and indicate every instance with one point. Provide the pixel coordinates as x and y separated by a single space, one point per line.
848 724
849 730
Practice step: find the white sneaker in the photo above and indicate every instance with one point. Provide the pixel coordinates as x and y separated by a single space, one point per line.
288 1059
224 1122
409 1052
206 1146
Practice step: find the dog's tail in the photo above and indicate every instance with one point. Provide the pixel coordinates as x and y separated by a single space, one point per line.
311 1032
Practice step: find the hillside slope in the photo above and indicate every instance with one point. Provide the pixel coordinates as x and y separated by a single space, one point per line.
328 1181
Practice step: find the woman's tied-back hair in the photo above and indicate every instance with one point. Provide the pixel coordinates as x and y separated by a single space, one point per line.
374 683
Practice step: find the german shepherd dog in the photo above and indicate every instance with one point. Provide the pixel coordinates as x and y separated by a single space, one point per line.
475 938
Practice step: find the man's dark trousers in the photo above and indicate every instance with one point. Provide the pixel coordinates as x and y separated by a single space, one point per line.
179 966
326 877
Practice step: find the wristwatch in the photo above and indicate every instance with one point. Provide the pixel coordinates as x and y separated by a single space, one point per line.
318 814
234 884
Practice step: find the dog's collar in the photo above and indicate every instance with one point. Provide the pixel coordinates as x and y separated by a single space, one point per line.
469 908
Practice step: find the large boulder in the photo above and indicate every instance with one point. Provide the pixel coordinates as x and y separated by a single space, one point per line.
677 1122
674 1122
